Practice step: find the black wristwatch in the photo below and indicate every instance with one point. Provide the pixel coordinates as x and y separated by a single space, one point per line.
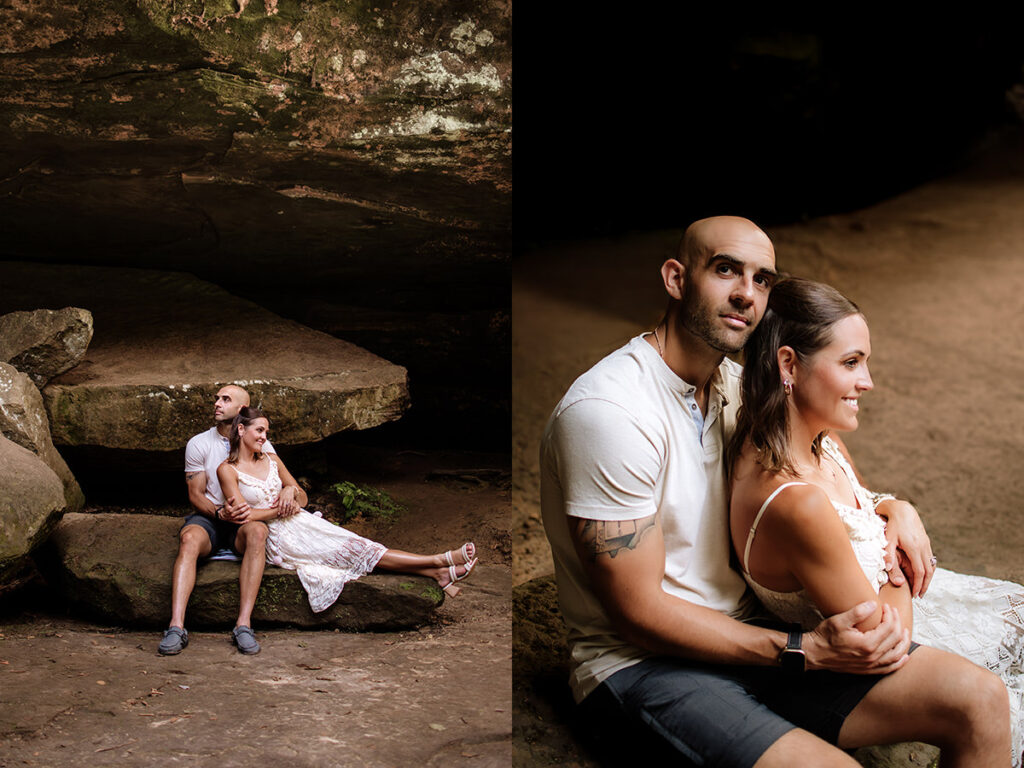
793 659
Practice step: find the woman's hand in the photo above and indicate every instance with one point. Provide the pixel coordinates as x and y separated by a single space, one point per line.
909 550
287 503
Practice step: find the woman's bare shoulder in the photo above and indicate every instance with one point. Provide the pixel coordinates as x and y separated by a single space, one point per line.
799 503
752 485
226 469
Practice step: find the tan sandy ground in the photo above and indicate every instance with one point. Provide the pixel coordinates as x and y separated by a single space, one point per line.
939 273
77 694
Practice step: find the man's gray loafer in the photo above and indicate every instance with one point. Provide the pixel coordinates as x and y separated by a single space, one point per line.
244 638
174 642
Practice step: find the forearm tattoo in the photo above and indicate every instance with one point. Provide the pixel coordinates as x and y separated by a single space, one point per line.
612 536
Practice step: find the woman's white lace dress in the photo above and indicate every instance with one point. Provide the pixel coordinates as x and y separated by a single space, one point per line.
325 556
978 618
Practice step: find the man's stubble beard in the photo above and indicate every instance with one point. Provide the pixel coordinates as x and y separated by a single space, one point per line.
699 319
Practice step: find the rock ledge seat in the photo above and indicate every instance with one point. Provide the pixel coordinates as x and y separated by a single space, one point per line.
118 567
165 342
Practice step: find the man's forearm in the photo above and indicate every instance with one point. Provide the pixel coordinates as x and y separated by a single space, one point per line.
195 482
625 560
202 504
672 626
692 632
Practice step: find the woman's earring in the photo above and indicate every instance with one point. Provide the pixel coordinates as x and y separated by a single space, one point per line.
788 386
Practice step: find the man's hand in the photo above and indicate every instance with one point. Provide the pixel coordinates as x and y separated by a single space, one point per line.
235 510
838 645
909 550
286 502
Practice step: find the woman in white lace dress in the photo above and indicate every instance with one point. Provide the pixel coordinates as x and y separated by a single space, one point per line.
324 555
806 532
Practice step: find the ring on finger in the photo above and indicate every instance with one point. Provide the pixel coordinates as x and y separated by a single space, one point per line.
933 560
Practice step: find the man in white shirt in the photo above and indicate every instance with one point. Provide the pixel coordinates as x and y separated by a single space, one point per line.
634 499
216 524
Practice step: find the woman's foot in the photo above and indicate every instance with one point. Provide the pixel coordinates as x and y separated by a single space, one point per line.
452 574
465 554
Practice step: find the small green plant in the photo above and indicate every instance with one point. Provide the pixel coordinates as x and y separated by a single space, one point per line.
433 593
366 502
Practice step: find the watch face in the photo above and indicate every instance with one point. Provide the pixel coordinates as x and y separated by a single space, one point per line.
792 660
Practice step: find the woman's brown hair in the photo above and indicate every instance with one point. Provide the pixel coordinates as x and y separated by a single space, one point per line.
800 315
246 416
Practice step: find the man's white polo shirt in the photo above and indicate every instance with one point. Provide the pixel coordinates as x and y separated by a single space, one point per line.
622 445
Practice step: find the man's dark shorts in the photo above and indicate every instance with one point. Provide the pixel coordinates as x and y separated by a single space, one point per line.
221 532
712 714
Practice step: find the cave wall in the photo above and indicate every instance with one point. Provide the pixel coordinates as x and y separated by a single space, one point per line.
774 113
343 164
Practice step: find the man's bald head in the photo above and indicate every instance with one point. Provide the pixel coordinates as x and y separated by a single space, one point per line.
706 236
230 400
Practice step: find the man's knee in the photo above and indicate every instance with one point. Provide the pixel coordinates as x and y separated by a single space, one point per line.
193 541
976 713
985 697
973 706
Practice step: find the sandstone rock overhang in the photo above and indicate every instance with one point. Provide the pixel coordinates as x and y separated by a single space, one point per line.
165 342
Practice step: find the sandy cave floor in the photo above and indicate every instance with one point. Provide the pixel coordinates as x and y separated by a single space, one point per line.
77 693
939 274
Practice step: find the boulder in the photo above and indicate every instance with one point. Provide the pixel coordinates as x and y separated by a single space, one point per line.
118 567
165 342
45 342
23 420
543 719
31 503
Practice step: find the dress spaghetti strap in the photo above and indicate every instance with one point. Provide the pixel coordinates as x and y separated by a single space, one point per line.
757 519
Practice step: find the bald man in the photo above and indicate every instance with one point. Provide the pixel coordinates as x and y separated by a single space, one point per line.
634 500
215 526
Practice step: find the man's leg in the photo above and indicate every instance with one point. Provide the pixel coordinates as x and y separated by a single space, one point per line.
251 544
941 699
681 714
194 542
800 747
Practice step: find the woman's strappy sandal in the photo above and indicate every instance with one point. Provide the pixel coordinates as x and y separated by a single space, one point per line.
467 551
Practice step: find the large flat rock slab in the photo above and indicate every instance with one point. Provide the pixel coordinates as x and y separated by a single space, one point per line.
118 567
165 342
